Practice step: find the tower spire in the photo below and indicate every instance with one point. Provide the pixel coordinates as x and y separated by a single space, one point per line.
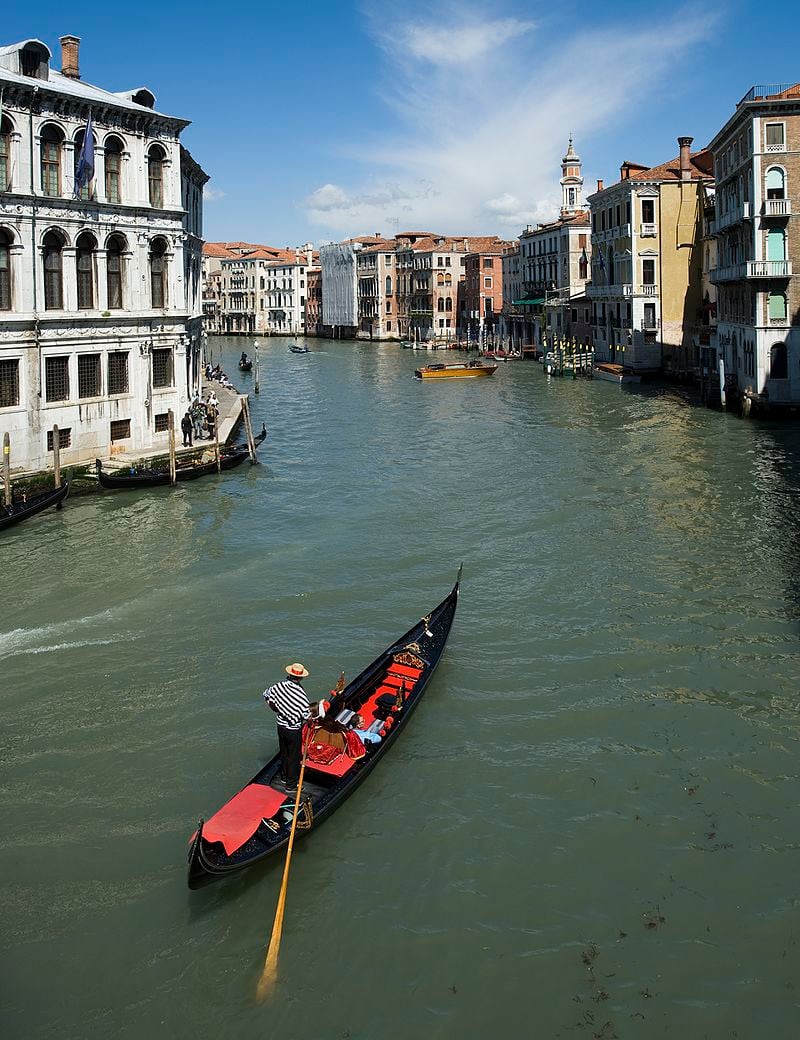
571 182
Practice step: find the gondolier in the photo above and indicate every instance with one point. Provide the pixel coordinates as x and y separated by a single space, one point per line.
290 703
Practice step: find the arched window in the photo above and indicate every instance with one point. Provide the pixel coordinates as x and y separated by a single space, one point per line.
86 189
5 271
114 251
5 154
776 183
388 285
155 175
84 266
53 271
448 279
440 279
778 367
50 144
158 274
448 304
114 169
440 306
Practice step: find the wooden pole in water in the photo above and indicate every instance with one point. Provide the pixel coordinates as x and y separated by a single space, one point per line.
6 469
249 427
270 972
256 387
56 457
171 420
216 441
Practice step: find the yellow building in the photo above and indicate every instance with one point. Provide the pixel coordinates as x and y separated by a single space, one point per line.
646 288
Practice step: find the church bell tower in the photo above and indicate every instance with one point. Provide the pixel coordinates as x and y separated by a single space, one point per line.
571 183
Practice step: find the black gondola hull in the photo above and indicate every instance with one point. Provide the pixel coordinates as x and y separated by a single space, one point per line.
20 511
205 861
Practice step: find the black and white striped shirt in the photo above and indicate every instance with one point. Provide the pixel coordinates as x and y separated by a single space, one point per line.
289 702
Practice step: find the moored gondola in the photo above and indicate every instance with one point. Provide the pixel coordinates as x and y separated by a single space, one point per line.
255 823
19 511
120 480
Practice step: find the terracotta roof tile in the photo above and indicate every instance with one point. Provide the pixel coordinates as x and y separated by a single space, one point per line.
701 163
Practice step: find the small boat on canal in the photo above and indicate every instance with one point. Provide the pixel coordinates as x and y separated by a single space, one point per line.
131 479
466 370
32 504
297 349
613 373
245 364
256 822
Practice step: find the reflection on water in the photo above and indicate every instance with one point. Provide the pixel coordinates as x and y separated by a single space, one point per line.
592 810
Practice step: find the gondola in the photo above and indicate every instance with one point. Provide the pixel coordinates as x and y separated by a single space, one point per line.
255 823
19 511
120 480
295 349
245 366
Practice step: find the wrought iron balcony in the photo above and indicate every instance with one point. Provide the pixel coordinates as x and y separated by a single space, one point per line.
650 324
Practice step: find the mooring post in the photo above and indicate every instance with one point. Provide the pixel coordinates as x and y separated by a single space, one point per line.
256 387
6 469
172 468
248 428
56 457
722 382
216 442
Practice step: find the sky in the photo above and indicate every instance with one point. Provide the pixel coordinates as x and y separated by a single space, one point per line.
324 120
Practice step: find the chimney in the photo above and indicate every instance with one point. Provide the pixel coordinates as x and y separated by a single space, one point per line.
624 172
69 56
685 143
599 184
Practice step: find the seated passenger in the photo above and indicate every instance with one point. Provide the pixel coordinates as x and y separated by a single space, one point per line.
367 736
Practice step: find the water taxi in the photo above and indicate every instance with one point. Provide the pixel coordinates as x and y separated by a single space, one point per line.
467 370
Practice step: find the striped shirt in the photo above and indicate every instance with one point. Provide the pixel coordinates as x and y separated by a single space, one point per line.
289 702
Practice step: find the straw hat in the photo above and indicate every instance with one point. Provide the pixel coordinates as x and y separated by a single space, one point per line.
296 670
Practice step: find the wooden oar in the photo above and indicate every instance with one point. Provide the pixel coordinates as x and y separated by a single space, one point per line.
270 972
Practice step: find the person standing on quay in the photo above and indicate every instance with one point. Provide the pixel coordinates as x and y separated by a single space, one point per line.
186 430
292 709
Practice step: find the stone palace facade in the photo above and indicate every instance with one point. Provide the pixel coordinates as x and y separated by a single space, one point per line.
100 288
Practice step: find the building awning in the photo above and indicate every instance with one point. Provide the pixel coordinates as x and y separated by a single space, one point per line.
528 301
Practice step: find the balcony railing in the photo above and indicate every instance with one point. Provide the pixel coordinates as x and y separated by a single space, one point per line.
771 90
733 216
777 207
752 269
647 290
648 230
599 291
650 324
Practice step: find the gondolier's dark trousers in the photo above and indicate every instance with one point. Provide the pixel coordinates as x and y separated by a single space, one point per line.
290 745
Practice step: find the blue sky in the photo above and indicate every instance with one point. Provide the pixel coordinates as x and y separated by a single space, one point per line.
318 121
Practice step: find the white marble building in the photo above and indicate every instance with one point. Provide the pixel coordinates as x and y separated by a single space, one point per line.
100 295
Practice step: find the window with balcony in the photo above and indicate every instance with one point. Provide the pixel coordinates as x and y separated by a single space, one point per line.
774 137
776 244
53 273
50 144
9 383
776 183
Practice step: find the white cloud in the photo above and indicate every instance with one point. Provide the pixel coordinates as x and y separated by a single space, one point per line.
212 194
485 108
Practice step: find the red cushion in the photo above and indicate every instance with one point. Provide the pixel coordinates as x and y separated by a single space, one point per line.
238 820
405 669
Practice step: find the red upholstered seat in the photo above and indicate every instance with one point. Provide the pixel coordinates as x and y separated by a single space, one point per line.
338 768
397 681
406 670
238 820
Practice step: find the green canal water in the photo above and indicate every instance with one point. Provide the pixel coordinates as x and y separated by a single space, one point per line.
589 828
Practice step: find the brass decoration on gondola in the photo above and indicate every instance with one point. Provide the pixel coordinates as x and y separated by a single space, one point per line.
410 656
305 817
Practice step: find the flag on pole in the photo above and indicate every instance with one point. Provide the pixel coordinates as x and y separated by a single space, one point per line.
84 171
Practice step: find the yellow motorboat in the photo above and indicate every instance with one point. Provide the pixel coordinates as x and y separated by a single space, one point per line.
464 371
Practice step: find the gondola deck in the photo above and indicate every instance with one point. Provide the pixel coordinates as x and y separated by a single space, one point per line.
19 511
255 823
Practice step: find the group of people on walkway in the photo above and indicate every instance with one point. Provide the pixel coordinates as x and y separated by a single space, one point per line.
200 422
215 372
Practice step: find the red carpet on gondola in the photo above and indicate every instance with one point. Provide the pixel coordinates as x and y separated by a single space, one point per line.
239 819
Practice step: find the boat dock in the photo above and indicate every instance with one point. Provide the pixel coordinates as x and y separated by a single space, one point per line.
569 361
